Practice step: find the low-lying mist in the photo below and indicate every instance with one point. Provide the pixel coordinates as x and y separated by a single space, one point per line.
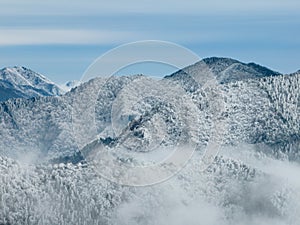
242 187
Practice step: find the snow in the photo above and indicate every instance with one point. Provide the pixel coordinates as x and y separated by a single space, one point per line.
25 83
253 180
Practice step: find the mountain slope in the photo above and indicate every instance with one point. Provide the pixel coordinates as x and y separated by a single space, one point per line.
20 82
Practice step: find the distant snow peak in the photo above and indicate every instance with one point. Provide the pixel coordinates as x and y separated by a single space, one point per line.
21 82
69 85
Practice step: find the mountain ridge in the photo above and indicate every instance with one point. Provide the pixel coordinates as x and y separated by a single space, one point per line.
21 82
57 113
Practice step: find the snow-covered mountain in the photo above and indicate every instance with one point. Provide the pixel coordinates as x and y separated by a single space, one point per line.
266 109
20 82
226 70
253 180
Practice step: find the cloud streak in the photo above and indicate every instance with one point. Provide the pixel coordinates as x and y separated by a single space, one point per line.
61 36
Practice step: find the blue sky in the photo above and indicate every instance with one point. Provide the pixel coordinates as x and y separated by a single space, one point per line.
60 39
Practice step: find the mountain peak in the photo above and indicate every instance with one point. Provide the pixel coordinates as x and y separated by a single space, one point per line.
226 69
21 82
22 71
216 60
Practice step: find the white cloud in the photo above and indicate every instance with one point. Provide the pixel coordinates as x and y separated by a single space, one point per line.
61 36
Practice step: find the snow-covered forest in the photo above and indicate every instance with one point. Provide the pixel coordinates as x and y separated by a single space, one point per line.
46 176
